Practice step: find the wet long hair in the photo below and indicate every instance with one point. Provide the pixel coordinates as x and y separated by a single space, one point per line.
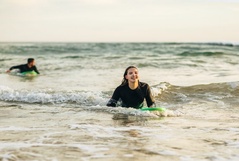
125 81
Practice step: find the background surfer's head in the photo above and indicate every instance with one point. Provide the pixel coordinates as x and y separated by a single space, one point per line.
31 61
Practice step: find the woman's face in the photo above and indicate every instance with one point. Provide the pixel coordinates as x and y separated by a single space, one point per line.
132 75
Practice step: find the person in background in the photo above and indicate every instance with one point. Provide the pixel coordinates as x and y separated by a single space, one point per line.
132 92
30 66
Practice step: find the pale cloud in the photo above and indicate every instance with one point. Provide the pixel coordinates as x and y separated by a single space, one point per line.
118 20
99 2
27 3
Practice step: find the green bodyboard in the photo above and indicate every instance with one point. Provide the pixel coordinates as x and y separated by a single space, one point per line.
29 73
153 109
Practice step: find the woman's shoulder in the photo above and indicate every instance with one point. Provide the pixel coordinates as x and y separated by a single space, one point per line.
119 87
143 84
122 86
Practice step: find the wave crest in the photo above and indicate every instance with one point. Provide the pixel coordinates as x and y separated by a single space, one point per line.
53 97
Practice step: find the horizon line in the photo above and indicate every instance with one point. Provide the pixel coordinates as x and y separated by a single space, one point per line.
203 42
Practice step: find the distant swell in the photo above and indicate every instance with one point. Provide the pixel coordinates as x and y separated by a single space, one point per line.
201 54
224 93
222 44
117 48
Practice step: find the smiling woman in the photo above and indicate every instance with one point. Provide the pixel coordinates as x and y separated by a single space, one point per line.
131 92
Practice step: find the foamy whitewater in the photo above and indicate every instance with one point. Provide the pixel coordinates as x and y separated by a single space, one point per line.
61 114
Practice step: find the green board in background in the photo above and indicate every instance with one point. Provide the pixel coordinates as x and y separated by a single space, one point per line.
29 73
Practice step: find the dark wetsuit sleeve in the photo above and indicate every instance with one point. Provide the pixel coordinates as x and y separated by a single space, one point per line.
35 69
25 68
16 67
113 101
149 97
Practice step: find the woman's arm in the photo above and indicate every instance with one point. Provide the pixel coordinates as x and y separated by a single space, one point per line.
149 97
114 99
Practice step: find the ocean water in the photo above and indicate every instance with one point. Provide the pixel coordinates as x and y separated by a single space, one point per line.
61 114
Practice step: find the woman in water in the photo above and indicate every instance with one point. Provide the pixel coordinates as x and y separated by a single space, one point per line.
132 92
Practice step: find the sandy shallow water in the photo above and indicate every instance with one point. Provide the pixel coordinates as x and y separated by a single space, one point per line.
33 132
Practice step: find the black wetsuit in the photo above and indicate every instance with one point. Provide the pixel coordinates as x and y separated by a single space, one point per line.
132 98
25 68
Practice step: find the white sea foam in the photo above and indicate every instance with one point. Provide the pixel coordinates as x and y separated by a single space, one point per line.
8 157
45 96
233 85
12 128
158 89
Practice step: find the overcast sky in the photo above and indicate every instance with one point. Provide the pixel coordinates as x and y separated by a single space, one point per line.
119 20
